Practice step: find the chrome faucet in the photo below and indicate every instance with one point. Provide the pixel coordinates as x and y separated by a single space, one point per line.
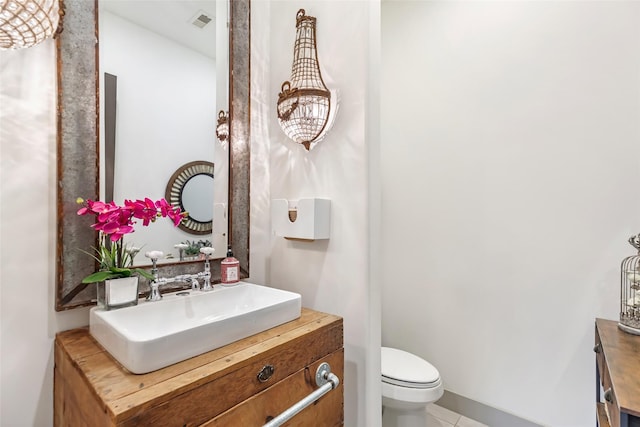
207 251
181 247
155 295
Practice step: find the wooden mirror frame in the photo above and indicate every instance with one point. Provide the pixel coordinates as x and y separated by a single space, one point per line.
78 147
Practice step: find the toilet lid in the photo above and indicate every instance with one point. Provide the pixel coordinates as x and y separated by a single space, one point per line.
406 369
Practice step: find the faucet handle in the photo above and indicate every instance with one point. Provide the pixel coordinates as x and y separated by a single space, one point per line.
154 255
207 251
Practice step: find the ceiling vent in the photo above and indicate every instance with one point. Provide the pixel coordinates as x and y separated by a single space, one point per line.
201 19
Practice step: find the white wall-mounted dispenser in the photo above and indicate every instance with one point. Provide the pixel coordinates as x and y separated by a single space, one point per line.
303 219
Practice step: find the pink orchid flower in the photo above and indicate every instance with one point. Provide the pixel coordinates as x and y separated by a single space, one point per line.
116 221
143 209
166 210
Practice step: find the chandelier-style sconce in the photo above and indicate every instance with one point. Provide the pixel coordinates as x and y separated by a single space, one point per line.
304 102
25 23
222 129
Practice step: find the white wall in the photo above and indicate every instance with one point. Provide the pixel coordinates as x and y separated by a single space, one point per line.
510 170
166 117
27 237
331 275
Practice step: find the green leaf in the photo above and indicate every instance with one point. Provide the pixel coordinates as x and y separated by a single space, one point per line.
124 272
100 276
143 273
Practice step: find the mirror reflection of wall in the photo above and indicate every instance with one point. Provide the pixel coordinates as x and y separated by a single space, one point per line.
164 56
195 200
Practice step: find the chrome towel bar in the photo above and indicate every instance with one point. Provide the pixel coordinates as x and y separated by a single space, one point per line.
327 382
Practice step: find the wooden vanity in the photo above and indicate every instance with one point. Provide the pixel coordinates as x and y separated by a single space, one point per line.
218 388
618 372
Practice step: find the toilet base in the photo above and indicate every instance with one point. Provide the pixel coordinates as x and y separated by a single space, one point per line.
392 417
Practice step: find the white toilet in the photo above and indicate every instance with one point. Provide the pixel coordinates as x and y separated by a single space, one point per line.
409 383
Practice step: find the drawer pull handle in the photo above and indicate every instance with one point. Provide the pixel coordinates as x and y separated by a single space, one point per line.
608 395
597 348
265 373
326 382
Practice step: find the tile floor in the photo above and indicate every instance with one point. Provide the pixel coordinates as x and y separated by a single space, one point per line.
442 417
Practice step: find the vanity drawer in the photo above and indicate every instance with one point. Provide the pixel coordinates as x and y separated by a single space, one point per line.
325 412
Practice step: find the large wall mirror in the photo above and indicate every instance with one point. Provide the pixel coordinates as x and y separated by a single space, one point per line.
163 68
128 121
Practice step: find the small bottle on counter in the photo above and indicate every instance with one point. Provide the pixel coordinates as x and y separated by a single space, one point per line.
230 269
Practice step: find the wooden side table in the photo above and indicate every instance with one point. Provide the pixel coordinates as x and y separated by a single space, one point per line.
618 371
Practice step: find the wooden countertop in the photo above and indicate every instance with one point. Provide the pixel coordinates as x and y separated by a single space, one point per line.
622 353
122 396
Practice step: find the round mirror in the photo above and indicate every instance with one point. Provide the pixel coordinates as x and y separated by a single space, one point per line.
197 198
191 189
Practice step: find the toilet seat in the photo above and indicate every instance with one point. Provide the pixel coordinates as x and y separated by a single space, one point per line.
403 369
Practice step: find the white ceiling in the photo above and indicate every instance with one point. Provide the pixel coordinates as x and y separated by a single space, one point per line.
171 19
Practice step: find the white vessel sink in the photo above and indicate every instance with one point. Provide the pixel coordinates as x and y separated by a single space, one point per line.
153 335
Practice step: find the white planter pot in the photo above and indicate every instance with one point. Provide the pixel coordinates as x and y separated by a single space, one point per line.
117 293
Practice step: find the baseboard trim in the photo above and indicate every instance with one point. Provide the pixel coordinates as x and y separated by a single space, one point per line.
480 412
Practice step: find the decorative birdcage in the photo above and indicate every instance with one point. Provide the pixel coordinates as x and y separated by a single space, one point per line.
304 102
630 290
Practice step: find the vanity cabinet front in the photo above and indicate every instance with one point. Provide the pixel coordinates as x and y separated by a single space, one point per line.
618 375
246 383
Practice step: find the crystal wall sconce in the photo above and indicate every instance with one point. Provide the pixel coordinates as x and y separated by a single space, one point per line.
304 102
25 23
222 129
